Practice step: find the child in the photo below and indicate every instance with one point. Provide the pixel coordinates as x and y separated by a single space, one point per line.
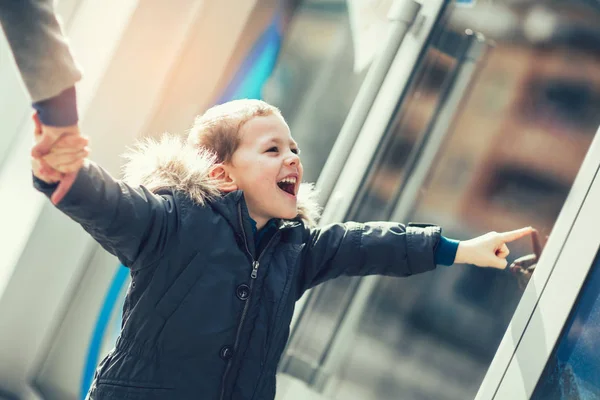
220 238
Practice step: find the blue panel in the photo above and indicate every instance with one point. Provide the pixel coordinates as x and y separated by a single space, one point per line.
99 332
257 67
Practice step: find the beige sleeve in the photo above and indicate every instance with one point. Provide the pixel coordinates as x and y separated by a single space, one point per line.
39 47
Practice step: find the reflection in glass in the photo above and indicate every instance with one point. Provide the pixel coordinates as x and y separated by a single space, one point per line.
508 160
414 116
573 369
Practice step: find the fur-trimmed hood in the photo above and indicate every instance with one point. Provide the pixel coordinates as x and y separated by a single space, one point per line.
170 163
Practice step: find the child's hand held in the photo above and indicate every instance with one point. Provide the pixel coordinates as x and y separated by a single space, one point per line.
68 154
44 172
61 162
489 250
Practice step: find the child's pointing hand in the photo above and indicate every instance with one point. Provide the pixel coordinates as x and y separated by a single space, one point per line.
489 250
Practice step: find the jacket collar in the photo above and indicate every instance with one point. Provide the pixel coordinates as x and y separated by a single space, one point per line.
172 164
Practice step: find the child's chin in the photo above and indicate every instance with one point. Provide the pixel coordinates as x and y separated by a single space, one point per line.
289 214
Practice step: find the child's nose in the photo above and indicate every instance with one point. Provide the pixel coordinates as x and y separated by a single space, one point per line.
292 159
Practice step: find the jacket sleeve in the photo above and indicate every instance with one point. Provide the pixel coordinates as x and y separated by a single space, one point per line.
130 222
373 248
39 47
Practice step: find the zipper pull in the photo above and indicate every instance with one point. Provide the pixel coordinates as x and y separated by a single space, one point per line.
254 273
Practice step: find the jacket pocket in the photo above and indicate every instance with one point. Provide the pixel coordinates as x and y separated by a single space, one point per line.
116 389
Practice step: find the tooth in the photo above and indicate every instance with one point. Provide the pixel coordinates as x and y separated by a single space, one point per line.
289 180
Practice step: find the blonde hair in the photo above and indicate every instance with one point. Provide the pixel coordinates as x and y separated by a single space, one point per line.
217 130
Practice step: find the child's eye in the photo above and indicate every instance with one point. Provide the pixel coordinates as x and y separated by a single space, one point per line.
276 149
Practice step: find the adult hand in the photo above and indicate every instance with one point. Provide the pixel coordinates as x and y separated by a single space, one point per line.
489 250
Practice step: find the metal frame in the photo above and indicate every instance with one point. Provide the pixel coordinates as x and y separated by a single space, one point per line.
423 156
402 15
381 113
552 291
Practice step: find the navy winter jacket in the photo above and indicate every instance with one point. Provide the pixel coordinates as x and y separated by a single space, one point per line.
205 317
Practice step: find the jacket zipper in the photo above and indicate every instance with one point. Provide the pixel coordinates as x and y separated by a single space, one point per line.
253 275
269 341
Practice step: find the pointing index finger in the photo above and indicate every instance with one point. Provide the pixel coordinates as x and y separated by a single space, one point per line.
516 234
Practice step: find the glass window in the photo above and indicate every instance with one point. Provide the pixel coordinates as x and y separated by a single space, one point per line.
507 159
573 369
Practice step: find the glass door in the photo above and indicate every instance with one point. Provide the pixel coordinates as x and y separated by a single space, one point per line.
489 136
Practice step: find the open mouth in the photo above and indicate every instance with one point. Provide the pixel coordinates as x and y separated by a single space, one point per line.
288 185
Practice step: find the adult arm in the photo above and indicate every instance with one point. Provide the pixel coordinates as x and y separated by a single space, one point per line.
43 58
39 47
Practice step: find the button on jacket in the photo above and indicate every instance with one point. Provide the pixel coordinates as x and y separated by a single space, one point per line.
206 317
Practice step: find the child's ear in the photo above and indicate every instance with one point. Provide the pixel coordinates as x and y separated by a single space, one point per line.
220 173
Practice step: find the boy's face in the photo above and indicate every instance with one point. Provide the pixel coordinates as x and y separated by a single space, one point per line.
267 168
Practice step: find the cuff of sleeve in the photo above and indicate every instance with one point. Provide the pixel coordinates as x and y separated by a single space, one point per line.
446 251
60 110
46 188
83 184
421 243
